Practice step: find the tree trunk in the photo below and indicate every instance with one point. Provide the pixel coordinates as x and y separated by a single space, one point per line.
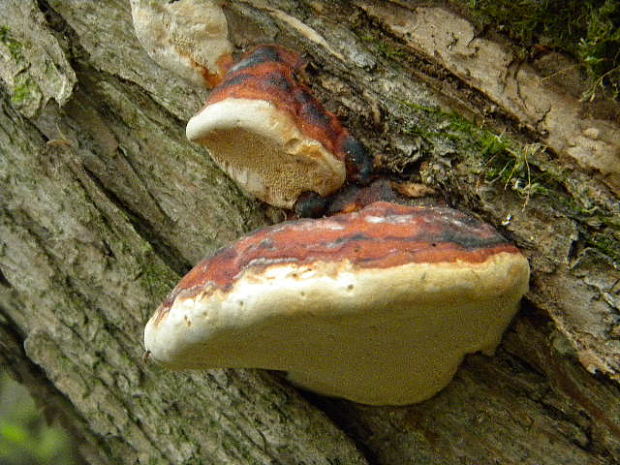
104 204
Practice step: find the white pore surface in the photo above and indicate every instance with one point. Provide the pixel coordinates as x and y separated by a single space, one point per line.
376 336
182 36
262 149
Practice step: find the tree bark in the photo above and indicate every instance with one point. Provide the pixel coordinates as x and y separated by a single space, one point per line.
104 205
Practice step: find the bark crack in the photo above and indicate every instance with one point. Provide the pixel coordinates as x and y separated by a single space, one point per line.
169 254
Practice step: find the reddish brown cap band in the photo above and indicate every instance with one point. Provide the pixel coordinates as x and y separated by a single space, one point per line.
270 73
382 235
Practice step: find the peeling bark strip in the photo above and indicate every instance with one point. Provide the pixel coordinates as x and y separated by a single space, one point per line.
497 72
103 202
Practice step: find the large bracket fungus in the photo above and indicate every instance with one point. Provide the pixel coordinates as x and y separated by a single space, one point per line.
378 306
267 131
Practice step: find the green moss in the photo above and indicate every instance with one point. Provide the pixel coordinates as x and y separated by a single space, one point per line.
499 159
599 50
13 46
589 30
382 46
158 278
606 244
23 89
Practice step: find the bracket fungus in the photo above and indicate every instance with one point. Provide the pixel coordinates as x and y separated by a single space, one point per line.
266 130
187 37
378 306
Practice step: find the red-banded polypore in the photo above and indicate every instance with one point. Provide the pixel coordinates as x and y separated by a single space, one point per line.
378 306
265 129
187 37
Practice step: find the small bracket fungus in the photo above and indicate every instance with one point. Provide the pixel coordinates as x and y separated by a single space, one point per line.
187 37
265 129
378 306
